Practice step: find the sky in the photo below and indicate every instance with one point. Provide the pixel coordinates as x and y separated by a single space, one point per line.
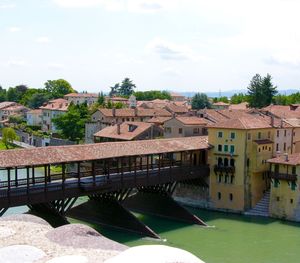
178 45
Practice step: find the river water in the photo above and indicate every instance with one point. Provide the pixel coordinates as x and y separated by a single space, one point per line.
230 238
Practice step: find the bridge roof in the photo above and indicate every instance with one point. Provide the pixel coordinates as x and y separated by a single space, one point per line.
88 152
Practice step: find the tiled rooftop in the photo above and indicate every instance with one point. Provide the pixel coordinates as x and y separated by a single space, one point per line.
292 159
139 112
88 152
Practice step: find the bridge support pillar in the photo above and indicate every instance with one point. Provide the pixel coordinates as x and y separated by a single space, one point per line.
158 201
105 209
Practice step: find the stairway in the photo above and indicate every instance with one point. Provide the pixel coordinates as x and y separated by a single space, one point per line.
261 208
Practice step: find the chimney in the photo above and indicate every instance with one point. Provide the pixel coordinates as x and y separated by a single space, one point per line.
286 157
114 112
278 154
118 128
272 121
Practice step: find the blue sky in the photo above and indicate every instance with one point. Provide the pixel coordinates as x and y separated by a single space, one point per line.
190 45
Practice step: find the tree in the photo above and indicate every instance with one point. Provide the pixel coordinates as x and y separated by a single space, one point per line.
238 98
261 91
101 99
126 88
114 90
38 99
2 94
72 123
58 88
200 101
152 95
8 136
15 94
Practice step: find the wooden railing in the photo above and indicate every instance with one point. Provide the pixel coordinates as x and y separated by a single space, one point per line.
224 169
283 176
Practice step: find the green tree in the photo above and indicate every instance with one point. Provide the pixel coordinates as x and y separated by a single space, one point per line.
200 101
261 91
58 88
101 99
152 95
238 98
72 123
2 94
8 136
16 94
126 88
114 90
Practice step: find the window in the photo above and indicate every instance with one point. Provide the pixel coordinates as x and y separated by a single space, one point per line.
284 146
276 183
219 195
220 178
226 179
293 186
291 201
259 135
231 148
248 162
196 131
226 162
277 198
231 179
294 170
232 135
232 162
225 148
278 133
277 147
220 134
249 136
269 149
284 133
230 196
258 149
180 130
220 148
269 134
220 161
168 129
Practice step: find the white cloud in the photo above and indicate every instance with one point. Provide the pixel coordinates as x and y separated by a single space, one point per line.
17 63
7 6
14 29
42 40
171 51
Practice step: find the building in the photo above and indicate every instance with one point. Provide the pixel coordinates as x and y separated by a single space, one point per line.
238 176
129 131
34 117
51 110
220 105
185 127
285 193
8 108
177 97
79 98
108 117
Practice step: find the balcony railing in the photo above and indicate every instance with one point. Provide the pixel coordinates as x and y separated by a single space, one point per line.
224 169
283 176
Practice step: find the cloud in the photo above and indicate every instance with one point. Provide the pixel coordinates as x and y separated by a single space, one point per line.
14 29
16 63
42 40
56 66
285 59
7 6
171 51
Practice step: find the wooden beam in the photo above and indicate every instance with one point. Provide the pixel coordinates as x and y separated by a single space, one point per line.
78 173
16 176
94 173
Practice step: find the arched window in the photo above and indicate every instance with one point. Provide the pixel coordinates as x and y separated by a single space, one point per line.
232 162
220 161
225 162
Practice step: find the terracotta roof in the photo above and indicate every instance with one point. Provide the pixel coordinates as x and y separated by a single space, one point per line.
176 108
293 159
88 152
263 141
118 99
220 103
284 112
82 95
16 108
5 104
36 111
57 104
159 120
293 122
240 106
242 123
125 134
140 112
192 120
213 115
174 94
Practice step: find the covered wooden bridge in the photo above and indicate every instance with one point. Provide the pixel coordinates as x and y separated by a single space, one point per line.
58 175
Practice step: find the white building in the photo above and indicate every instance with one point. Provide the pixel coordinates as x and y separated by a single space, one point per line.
79 98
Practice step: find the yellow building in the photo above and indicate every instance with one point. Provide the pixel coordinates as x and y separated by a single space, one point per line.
284 199
238 162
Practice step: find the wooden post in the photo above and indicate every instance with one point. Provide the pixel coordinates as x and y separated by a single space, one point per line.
33 179
94 173
49 174
108 168
78 173
8 183
147 170
63 177
151 160
135 167
16 176
122 172
181 158
159 167
129 161
45 176
27 177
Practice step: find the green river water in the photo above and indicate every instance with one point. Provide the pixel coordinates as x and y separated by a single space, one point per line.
230 238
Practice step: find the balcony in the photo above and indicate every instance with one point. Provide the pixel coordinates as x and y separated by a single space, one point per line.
283 176
224 169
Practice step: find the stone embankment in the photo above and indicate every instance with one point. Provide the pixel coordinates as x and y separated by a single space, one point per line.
30 239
